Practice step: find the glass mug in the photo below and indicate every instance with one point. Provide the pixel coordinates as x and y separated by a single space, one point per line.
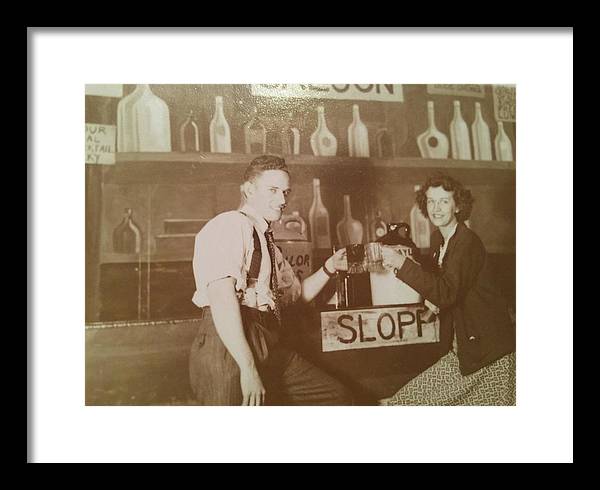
373 257
355 254
364 258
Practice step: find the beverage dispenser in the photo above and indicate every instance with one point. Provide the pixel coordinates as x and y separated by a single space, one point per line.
291 237
386 288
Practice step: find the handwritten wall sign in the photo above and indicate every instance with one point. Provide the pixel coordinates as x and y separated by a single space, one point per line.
376 327
100 143
374 91
456 89
505 108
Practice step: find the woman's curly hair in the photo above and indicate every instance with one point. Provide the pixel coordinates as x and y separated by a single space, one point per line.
462 197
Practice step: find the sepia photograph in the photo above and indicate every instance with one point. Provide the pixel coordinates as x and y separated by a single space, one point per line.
299 245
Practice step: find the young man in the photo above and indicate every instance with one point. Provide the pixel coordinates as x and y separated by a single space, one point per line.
242 282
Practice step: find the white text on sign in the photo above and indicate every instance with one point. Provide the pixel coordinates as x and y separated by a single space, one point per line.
345 91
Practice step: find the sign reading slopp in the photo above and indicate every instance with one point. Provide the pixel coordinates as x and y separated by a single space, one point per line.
100 142
374 91
376 327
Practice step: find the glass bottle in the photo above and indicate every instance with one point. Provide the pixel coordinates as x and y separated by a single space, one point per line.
419 225
340 297
220 134
318 218
255 134
189 135
152 124
386 146
502 145
290 138
379 227
126 140
432 143
358 135
459 135
482 142
322 141
342 280
127 236
349 230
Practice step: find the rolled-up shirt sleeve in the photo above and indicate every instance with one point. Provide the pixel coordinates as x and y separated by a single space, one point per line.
219 252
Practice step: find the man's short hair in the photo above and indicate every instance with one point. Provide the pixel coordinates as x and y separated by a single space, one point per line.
263 163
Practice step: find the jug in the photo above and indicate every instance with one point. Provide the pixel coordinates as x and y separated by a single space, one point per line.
291 237
386 288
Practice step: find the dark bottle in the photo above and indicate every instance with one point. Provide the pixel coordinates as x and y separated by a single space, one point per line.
290 138
127 237
399 234
255 134
341 289
379 227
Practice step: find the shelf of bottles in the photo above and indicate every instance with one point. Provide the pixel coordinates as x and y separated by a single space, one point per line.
148 157
144 136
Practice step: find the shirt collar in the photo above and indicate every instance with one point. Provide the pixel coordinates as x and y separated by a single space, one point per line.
451 234
260 223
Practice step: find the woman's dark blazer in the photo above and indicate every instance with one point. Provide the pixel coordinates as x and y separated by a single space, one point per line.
466 293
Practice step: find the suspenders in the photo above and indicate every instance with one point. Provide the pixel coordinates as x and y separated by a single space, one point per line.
255 267
256 254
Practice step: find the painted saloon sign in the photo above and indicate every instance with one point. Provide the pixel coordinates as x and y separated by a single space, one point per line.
346 91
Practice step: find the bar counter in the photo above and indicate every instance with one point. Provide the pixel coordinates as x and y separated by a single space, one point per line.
146 363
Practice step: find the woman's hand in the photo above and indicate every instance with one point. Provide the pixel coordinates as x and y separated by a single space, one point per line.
432 307
392 259
338 261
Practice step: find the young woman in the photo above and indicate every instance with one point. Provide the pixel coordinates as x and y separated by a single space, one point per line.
477 337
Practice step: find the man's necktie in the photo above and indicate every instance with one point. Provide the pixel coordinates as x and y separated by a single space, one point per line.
273 285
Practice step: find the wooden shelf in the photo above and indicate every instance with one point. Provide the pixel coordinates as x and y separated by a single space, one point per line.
200 168
309 160
319 256
114 258
442 163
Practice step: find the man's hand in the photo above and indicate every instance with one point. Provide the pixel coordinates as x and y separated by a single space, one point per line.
313 284
229 325
338 261
252 387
